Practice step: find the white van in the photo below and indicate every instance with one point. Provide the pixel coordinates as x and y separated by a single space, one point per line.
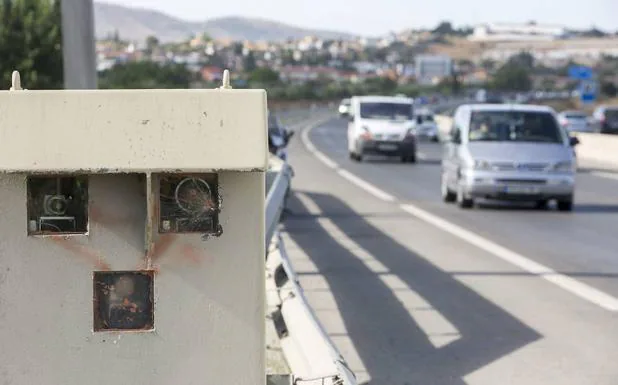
383 125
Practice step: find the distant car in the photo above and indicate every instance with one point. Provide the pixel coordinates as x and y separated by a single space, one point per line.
344 107
425 124
574 121
508 152
605 119
382 125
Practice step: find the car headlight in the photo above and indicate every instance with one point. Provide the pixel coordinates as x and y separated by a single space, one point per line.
566 166
480 164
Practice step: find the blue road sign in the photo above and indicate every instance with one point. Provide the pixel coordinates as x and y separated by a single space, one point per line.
580 72
588 91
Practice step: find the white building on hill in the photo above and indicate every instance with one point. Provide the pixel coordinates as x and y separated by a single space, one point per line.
517 32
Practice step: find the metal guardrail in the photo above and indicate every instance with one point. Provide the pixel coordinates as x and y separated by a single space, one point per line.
278 181
311 355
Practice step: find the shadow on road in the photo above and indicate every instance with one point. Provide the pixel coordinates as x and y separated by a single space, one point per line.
392 346
599 208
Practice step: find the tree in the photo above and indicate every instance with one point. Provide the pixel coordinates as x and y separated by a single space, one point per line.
522 59
249 62
151 44
512 77
444 28
145 74
31 42
609 89
264 76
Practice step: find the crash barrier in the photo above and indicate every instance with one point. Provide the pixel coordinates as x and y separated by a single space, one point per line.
594 150
600 150
310 354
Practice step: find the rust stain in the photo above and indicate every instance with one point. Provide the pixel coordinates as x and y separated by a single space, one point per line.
162 245
189 253
82 251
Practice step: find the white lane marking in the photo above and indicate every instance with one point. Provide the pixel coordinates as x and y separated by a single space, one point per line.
371 189
569 284
580 289
439 331
421 155
603 174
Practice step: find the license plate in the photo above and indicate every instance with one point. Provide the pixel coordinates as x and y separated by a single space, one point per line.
387 147
521 190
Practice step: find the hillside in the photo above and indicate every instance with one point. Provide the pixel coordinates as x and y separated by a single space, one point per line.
138 23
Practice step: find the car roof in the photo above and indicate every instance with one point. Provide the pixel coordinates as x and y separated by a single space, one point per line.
573 112
384 99
509 107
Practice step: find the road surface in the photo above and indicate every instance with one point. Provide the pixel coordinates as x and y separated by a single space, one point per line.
416 291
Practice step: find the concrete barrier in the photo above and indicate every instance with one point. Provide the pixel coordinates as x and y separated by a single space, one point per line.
597 150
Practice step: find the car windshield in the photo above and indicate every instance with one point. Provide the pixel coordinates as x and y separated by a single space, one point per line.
514 126
392 111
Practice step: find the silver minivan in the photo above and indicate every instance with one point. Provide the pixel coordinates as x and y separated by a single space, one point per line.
508 152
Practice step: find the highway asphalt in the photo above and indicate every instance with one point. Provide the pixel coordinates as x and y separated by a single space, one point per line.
416 291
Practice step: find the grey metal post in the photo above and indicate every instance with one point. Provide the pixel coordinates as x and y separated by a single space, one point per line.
78 44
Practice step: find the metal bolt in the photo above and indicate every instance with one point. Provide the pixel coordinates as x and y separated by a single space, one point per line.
16 82
226 80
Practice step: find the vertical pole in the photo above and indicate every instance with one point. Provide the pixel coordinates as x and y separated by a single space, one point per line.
78 44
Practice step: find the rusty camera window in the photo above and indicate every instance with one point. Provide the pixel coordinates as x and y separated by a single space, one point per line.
189 204
57 205
123 300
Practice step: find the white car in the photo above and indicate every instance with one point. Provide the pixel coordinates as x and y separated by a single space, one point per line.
574 121
383 125
426 125
344 107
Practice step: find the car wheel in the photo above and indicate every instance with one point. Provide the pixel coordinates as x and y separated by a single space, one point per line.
448 196
463 201
565 205
352 155
412 158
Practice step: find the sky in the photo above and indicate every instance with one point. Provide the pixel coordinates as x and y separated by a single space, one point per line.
375 17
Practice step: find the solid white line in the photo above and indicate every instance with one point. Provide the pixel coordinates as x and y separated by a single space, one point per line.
326 160
569 284
373 190
604 174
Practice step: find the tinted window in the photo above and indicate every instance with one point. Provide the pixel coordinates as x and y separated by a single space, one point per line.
393 111
514 126
611 114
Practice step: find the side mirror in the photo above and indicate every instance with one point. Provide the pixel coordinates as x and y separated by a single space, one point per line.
573 141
